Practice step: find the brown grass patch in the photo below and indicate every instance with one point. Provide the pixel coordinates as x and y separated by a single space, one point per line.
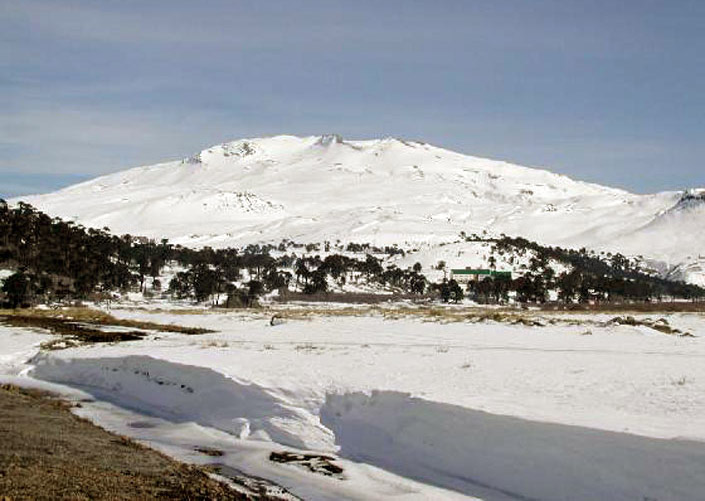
49 453
655 307
436 313
97 317
454 314
71 329
82 325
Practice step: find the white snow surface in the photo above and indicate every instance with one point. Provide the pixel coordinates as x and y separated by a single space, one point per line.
386 191
16 347
413 409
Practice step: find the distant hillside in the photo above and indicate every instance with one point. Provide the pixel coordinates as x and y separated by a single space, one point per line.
45 260
386 191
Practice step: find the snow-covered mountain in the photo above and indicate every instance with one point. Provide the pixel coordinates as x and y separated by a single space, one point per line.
383 192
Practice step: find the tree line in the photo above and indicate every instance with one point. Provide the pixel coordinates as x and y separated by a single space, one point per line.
56 260
589 277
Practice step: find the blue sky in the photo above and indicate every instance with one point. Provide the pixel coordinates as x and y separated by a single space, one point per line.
602 90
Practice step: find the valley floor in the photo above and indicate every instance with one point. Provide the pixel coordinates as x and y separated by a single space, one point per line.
409 405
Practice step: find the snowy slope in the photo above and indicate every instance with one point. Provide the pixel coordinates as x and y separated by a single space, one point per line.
581 408
378 191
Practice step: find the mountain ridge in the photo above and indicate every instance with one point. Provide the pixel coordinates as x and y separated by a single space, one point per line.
382 191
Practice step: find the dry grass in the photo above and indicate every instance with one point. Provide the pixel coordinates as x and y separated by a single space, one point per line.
188 311
83 325
79 332
49 453
391 311
394 311
424 313
660 325
656 307
97 317
453 314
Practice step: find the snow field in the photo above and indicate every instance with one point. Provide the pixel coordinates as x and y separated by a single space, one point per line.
16 347
488 410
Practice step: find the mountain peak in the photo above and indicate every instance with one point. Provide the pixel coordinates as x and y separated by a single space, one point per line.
379 191
328 139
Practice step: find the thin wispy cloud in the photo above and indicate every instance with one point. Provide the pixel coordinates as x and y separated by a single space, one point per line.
604 91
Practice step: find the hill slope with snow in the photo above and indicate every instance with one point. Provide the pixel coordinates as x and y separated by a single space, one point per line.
383 192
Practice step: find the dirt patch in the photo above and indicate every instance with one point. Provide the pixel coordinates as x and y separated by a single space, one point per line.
49 453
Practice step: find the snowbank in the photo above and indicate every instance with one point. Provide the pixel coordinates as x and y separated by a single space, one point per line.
499 457
184 393
448 446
